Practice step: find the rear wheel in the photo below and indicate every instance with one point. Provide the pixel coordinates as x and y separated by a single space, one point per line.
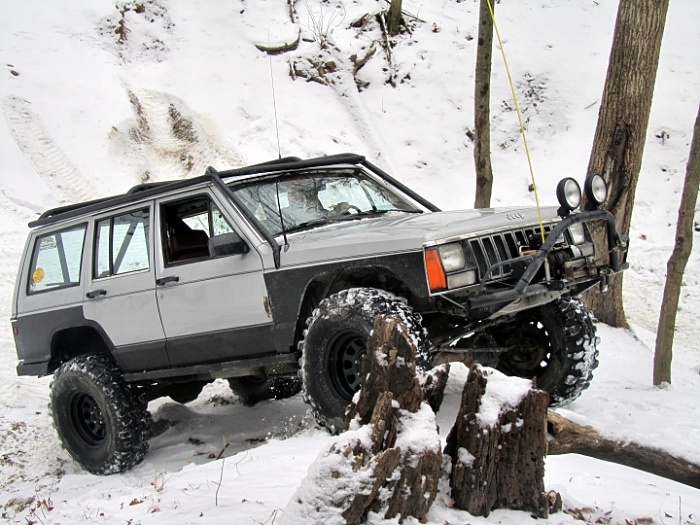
556 344
100 420
335 343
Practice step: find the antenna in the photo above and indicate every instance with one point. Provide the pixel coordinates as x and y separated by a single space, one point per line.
279 209
274 101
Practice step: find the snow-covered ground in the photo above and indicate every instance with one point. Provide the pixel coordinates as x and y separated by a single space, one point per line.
86 115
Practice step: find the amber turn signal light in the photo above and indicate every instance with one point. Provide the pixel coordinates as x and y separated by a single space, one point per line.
433 268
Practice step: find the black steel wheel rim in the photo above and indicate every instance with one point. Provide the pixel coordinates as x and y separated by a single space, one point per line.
87 419
345 356
533 350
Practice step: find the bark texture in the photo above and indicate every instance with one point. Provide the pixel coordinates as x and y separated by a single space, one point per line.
389 460
394 22
433 384
618 144
501 466
571 438
677 263
482 108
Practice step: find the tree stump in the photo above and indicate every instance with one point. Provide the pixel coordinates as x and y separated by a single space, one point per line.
498 444
388 461
433 383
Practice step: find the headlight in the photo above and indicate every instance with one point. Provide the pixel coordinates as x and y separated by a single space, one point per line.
596 189
452 257
450 266
568 195
578 233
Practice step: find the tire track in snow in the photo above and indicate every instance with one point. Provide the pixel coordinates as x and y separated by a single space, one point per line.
16 210
38 147
168 140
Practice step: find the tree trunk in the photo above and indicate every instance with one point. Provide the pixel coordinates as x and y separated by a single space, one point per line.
499 465
482 109
677 262
571 438
394 22
618 144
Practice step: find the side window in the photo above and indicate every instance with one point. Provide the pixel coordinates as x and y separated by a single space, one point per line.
188 225
56 260
121 244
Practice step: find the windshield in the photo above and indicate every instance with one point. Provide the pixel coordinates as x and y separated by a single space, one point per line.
312 199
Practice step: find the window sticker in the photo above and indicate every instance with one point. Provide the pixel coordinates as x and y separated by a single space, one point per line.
38 275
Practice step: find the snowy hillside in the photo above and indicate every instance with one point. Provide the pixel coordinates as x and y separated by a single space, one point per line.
97 96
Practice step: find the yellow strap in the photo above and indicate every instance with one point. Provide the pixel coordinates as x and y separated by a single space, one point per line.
520 119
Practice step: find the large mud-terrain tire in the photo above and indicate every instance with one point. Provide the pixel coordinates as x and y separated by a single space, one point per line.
100 420
334 345
251 390
556 344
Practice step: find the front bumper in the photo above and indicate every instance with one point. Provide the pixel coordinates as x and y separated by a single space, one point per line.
617 251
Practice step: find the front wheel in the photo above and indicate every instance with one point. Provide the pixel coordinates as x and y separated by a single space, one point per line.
100 420
555 344
335 343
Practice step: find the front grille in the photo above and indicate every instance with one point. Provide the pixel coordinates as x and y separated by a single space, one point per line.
497 247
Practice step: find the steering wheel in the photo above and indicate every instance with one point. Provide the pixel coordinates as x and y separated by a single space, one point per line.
343 208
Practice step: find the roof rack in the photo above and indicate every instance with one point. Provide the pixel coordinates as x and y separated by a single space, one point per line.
141 191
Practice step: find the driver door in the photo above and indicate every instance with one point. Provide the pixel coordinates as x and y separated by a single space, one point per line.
212 307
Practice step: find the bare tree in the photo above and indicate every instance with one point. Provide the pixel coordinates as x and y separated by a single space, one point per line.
677 262
394 22
623 119
482 108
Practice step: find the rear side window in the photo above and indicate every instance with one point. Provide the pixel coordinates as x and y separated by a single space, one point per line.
56 260
121 244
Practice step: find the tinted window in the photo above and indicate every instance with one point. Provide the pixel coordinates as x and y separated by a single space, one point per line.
56 260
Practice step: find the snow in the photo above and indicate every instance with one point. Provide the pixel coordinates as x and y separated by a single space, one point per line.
502 394
70 132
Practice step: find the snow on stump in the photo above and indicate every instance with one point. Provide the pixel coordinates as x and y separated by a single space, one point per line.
388 463
498 444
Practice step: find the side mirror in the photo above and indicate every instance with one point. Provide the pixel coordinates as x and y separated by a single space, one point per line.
227 244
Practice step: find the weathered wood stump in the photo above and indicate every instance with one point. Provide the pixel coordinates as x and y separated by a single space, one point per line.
433 383
498 444
388 461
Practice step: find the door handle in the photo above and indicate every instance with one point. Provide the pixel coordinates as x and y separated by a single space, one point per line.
92 294
165 280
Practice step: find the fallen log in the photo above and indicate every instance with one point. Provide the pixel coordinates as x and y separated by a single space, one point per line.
567 437
278 49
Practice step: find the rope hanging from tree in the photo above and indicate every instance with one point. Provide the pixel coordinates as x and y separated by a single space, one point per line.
520 118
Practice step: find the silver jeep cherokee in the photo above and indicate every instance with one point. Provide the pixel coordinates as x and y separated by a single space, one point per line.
257 274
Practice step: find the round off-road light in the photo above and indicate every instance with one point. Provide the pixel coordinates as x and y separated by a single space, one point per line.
596 189
568 194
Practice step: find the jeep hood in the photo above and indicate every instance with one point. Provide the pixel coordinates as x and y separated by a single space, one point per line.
398 232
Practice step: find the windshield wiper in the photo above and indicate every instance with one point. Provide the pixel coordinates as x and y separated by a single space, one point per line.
371 213
308 224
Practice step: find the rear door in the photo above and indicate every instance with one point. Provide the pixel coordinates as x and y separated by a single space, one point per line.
120 292
213 308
